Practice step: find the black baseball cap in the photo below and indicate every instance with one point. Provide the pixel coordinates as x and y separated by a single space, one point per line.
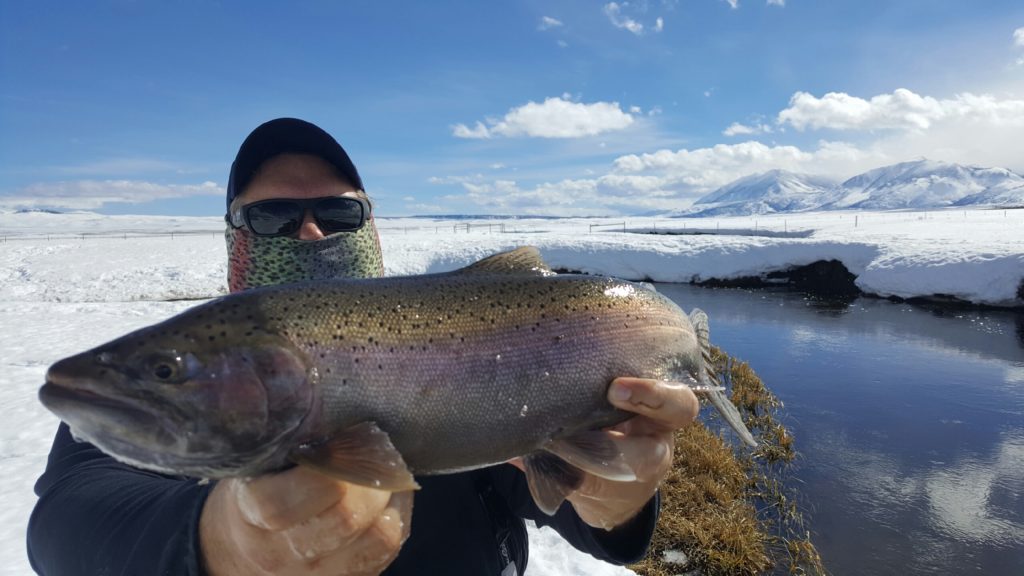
286 135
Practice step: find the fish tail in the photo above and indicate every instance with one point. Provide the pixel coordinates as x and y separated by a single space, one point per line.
709 378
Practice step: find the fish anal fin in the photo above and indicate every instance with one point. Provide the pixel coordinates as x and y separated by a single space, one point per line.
523 260
551 480
595 451
361 454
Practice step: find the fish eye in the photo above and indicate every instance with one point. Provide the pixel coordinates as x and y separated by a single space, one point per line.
163 371
169 367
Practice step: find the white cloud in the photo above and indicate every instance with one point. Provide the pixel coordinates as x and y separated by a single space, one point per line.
553 118
734 4
614 13
563 44
701 170
901 110
737 129
477 131
547 23
659 24
776 2
93 194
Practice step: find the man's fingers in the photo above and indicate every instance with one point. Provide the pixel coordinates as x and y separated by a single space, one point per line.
339 525
277 501
669 406
376 546
649 456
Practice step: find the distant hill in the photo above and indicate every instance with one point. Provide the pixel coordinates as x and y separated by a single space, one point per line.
37 210
921 184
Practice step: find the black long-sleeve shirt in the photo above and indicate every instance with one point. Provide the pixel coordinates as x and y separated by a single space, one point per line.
97 516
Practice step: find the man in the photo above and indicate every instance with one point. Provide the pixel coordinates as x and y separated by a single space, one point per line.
297 210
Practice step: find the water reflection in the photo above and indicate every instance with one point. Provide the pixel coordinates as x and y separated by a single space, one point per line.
910 424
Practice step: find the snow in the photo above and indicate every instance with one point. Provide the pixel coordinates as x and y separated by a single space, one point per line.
72 281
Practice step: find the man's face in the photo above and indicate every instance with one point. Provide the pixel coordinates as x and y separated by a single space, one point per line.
297 176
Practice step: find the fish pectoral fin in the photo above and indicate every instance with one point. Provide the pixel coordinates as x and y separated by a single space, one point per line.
551 480
595 451
362 454
523 260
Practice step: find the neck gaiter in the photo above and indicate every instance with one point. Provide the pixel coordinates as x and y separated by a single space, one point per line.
255 261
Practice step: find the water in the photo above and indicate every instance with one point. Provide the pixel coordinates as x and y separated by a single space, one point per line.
909 422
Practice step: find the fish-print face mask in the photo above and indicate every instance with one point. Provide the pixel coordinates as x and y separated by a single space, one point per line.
255 261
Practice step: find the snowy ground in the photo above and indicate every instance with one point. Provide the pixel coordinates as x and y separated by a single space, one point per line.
72 281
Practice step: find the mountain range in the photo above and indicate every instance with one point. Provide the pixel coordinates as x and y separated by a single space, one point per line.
916 185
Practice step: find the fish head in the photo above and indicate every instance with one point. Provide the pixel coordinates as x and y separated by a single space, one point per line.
184 399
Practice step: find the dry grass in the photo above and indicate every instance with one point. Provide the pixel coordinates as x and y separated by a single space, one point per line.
709 498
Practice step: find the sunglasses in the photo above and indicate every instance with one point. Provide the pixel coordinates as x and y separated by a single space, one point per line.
283 217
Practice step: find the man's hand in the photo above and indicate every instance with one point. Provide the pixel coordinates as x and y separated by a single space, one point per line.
649 439
301 522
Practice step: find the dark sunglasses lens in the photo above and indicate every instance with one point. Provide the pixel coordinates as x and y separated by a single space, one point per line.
339 214
274 218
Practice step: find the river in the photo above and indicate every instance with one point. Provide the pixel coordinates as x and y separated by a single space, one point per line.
909 422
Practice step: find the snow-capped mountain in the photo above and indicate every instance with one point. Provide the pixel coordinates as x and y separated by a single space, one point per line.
921 184
772 191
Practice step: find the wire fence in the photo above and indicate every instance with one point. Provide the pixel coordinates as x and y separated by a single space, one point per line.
794 225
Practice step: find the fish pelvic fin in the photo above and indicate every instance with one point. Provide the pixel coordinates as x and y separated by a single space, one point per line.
523 260
550 479
595 451
707 375
362 454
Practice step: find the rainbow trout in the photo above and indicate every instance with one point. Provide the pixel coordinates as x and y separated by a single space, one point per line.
374 380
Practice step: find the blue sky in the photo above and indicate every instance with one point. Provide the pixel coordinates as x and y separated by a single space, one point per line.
532 107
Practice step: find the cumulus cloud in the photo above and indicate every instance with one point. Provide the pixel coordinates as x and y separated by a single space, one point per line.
547 23
553 118
701 170
659 24
901 110
734 4
93 194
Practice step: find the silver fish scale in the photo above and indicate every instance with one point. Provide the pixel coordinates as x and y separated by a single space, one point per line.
465 370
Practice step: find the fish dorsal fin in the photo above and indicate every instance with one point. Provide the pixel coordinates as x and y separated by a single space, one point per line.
524 260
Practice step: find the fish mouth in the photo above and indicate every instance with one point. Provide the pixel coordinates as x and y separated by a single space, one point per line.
87 409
